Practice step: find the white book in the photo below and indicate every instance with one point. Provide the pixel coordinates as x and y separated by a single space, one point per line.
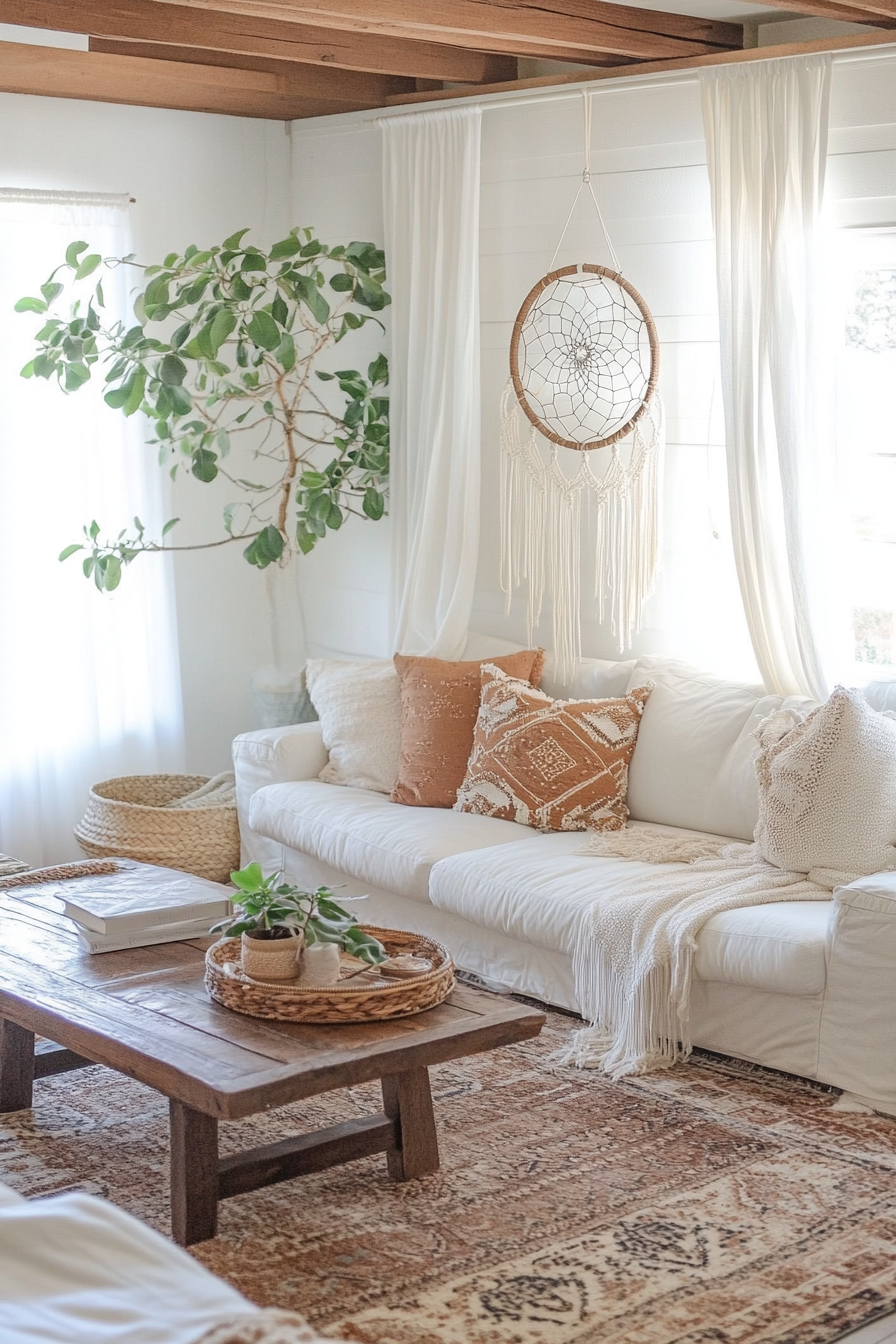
161 933
116 912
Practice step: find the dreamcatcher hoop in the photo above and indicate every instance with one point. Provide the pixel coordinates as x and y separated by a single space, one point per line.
583 371
584 350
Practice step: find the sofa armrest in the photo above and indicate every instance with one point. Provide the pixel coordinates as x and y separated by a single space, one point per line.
273 756
860 997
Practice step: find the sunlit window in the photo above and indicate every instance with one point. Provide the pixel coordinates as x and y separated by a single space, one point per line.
866 442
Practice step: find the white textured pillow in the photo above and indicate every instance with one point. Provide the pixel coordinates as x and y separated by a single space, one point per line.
827 788
359 707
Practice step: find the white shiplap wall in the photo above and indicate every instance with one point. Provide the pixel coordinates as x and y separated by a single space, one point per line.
649 165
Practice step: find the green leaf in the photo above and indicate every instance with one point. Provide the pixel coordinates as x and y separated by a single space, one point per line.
87 267
51 291
137 382
172 371
111 573
285 354
263 331
279 311
374 504
305 540
342 282
30 305
172 522
235 239
76 375
73 251
334 517
224 323
253 261
239 289
180 335
265 548
288 247
70 550
205 465
378 371
251 878
312 298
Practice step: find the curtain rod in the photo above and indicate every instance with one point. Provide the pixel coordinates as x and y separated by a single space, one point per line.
650 80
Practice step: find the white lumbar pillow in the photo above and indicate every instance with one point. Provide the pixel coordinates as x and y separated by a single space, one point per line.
359 707
827 788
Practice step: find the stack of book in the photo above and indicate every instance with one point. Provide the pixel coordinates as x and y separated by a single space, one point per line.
113 920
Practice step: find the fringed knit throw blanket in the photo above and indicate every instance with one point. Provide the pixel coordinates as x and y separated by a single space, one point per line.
635 950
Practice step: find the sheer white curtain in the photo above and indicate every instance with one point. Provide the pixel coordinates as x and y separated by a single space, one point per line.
431 197
766 132
89 683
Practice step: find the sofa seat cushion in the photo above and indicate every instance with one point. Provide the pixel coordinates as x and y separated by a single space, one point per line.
368 837
540 895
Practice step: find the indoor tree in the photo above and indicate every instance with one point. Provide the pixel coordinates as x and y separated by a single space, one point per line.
223 351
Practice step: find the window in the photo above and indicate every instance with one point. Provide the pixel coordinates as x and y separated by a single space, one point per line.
866 443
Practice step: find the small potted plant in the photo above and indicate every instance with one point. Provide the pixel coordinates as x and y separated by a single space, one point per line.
276 920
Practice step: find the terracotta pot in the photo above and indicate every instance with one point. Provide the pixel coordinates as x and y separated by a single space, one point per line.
275 959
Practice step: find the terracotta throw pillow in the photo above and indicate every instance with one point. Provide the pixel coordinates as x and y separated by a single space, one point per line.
555 765
439 704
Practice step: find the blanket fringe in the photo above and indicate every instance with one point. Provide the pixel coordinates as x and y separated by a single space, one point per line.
648 846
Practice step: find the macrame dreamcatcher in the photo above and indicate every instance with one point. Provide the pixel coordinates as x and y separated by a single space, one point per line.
584 361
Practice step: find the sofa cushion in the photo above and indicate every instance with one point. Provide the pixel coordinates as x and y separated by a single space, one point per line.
694 762
371 838
541 894
555 765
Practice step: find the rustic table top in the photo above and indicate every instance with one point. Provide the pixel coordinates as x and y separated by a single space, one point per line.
145 1012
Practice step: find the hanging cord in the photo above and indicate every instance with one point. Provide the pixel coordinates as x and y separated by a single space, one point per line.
586 182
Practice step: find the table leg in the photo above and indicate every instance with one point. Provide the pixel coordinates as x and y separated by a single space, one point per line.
16 1066
407 1099
194 1174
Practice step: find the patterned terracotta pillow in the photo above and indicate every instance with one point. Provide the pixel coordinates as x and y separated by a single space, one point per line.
439 704
556 765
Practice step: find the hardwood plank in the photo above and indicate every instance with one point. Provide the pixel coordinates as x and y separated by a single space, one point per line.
188 1065
855 42
194 1175
16 1066
254 35
573 30
58 72
346 1142
408 1100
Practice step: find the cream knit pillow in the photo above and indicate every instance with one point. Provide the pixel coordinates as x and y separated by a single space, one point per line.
827 788
359 707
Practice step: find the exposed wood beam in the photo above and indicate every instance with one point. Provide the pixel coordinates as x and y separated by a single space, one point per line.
847 11
855 42
57 72
571 30
245 35
295 78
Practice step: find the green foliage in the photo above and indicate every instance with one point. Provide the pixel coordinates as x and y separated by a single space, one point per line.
269 903
222 355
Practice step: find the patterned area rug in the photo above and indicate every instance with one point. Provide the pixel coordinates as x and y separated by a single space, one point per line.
714 1204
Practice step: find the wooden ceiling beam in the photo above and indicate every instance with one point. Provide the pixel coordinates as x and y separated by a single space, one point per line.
855 42
571 30
58 72
245 35
882 13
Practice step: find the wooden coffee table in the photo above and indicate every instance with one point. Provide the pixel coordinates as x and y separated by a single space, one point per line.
145 1012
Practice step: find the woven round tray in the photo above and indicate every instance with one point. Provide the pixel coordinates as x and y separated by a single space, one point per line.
129 818
351 1001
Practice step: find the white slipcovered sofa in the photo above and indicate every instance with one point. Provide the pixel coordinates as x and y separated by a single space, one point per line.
808 987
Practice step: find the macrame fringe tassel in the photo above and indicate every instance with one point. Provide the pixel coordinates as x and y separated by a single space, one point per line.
541 529
630 1031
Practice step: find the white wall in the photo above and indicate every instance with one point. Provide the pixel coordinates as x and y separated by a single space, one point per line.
650 169
196 177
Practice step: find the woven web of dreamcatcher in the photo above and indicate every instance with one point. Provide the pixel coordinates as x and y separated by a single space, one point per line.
584 358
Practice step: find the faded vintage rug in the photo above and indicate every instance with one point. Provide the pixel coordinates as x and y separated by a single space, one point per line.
713 1204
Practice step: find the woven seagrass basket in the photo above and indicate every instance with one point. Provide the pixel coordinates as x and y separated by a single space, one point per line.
349 1001
130 818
